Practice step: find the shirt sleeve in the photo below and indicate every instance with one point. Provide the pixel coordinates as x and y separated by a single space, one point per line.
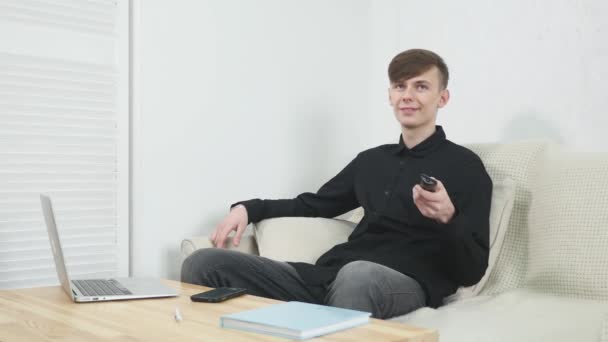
466 246
335 197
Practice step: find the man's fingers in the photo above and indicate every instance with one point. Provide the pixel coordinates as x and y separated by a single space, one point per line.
213 237
221 236
435 205
219 242
239 232
423 197
425 211
431 196
217 233
428 207
439 185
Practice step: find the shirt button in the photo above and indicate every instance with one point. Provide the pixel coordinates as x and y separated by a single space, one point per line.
401 162
387 192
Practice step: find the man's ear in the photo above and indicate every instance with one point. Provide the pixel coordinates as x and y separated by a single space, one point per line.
444 98
390 102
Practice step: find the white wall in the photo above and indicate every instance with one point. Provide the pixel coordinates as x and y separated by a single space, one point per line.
519 69
236 100
268 98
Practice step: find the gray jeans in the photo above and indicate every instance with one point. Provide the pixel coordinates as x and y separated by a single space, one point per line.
359 285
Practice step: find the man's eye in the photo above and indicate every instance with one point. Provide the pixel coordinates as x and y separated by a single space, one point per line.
399 87
422 87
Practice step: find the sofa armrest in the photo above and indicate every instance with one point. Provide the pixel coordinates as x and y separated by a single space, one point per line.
190 245
247 245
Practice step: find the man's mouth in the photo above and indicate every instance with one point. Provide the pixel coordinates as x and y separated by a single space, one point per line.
408 110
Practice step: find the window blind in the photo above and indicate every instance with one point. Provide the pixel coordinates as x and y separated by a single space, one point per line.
62 116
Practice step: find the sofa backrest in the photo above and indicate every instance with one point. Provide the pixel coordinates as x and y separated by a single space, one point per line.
301 239
569 227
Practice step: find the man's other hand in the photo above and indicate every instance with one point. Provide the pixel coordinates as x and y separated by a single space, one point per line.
435 205
236 220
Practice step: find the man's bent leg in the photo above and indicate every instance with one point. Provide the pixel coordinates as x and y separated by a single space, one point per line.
216 267
367 286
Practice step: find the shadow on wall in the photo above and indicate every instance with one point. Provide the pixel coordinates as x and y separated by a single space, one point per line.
531 127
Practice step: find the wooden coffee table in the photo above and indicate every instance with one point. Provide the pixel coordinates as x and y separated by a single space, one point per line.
47 314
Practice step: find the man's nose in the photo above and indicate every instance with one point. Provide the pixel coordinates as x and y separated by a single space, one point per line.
407 94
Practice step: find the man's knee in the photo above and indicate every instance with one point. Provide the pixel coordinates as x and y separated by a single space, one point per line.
203 261
367 286
356 287
359 271
358 278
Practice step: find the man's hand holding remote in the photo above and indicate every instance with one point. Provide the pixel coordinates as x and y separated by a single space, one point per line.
436 204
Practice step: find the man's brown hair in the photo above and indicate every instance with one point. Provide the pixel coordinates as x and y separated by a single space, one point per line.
411 63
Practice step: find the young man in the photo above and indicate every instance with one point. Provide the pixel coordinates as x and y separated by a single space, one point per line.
412 248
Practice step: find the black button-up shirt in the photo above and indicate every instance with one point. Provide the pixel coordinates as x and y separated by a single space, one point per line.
393 232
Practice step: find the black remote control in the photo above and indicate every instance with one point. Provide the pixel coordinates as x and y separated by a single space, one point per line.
427 183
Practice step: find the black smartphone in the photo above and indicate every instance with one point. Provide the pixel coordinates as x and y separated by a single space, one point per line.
427 183
218 295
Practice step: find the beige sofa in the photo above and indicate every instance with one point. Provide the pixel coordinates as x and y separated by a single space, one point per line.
548 273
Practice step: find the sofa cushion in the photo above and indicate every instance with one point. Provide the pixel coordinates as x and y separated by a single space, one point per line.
301 239
355 215
518 161
569 227
503 193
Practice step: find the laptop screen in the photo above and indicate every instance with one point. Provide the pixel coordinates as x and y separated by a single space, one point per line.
51 227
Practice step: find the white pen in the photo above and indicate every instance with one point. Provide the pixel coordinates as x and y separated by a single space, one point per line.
178 315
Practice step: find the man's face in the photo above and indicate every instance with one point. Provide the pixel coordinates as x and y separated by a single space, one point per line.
415 101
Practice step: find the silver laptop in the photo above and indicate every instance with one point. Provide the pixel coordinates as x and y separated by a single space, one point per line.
93 290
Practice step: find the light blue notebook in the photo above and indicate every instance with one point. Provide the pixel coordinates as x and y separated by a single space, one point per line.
295 320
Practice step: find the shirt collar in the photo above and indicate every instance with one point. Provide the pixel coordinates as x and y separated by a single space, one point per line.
425 147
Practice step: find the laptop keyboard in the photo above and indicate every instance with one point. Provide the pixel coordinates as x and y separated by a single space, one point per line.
101 287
